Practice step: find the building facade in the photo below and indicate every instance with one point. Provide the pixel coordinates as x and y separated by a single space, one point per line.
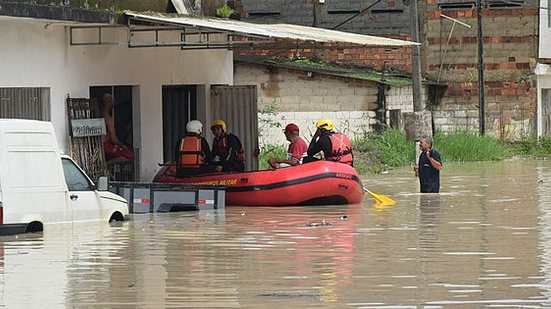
38 55
509 40
543 70
513 108
303 95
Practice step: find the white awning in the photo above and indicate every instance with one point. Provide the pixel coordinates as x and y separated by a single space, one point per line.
266 32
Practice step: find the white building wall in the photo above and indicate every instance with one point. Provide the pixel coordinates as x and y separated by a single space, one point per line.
545 30
38 54
543 71
543 74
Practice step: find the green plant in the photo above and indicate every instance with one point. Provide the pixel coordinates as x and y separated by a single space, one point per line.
270 151
533 147
464 145
224 11
377 152
266 118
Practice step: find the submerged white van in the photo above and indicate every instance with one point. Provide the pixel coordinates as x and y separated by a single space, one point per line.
39 187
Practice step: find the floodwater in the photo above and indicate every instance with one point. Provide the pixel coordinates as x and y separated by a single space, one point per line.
485 241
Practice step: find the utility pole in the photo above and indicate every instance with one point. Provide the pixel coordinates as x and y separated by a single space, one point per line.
317 23
416 57
480 39
419 122
317 14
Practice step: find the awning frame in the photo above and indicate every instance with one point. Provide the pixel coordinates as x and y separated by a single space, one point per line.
196 34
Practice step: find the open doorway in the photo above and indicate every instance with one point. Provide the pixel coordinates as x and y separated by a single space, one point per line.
122 111
179 106
121 170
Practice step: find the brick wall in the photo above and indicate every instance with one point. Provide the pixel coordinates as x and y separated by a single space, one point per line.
402 98
510 40
394 59
393 24
389 17
293 96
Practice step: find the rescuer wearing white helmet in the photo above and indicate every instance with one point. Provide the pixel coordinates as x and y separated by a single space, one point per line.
193 155
335 146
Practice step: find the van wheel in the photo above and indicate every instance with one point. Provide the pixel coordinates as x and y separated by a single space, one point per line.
117 216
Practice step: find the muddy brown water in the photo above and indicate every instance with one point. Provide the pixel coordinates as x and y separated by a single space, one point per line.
485 241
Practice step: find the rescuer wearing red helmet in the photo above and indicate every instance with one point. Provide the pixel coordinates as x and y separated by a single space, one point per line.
296 151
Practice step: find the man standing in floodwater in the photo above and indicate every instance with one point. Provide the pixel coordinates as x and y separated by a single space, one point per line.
429 166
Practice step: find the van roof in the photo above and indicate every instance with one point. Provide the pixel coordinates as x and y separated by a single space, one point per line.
25 125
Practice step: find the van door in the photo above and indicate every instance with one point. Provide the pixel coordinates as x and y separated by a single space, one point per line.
82 197
32 182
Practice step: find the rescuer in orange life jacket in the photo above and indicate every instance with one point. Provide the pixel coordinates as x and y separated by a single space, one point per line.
335 146
227 148
193 155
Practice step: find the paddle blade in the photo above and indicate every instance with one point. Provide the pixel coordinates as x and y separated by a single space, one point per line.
381 199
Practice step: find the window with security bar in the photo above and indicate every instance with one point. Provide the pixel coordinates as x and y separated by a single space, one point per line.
25 103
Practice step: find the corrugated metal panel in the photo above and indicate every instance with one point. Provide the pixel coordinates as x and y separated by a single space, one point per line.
25 103
237 105
280 31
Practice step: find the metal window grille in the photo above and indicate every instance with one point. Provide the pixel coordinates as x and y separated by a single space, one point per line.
25 103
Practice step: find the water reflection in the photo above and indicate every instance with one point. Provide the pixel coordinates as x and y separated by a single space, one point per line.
429 213
483 242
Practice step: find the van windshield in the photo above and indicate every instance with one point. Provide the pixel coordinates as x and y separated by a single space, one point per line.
75 179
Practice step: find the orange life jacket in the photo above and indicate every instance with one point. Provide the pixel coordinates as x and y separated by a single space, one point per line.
341 149
191 152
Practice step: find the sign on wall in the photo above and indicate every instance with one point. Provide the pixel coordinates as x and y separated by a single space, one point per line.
88 127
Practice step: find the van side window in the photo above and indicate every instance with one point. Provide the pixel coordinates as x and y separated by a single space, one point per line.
75 179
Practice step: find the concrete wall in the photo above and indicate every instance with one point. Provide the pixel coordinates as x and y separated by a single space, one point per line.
38 54
509 60
286 96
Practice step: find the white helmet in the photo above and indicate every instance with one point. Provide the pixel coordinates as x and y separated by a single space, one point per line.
194 126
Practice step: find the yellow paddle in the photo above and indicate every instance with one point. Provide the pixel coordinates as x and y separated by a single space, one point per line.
381 199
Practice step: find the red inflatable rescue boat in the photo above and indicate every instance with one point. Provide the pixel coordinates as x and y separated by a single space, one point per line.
316 183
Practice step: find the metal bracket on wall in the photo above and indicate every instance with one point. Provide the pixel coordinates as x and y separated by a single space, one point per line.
190 37
139 34
93 35
455 21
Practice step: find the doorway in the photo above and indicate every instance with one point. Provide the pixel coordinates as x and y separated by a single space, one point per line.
179 106
124 128
122 111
